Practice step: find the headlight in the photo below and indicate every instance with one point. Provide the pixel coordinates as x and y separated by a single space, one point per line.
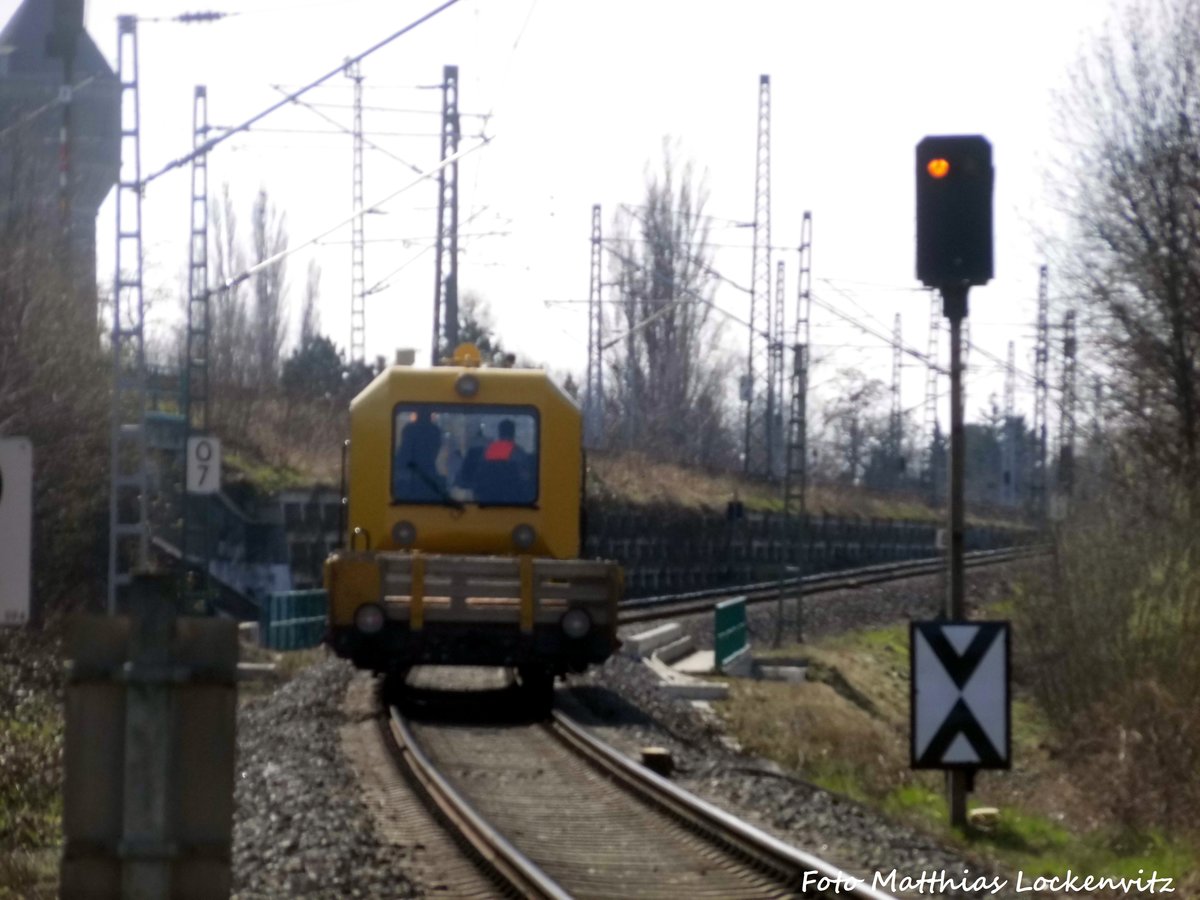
466 386
576 623
404 533
369 618
523 536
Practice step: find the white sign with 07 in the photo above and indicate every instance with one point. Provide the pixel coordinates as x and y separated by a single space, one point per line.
203 465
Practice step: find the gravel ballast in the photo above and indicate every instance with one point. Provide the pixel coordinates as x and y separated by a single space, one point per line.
624 705
300 828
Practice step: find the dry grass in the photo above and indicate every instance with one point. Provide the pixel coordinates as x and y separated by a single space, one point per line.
279 444
1112 628
29 874
274 443
847 729
809 728
640 481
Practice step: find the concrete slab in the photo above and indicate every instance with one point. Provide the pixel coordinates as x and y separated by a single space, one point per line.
677 684
698 662
741 666
646 642
676 650
791 674
700 690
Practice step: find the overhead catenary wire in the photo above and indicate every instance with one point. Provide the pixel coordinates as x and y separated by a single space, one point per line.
736 223
382 284
865 327
1001 364
386 109
340 131
32 115
714 244
417 240
367 141
210 144
694 297
191 18
289 251
868 329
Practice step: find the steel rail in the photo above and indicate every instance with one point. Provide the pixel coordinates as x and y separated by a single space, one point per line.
522 876
818 577
781 860
648 609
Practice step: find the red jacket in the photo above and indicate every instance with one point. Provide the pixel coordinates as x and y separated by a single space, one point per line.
499 451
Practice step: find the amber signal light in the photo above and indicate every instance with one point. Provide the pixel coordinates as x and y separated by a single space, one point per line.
938 168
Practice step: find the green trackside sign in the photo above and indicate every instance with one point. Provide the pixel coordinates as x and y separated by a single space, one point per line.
731 638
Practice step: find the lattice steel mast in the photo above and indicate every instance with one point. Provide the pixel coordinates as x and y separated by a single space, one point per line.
966 356
62 42
358 285
895 418
195 374
128 539
1040 387
1012 431
195 403
757 394
594 395
795 481
930 430
776 437
1066 422
445 307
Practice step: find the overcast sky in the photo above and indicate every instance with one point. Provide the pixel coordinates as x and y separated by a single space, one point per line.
579 97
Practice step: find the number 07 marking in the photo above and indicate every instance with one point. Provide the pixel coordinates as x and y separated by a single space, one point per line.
203 465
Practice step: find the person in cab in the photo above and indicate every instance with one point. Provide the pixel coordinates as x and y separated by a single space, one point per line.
505 473
416 477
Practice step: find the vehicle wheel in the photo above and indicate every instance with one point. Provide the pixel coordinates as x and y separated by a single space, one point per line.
392 685
537 686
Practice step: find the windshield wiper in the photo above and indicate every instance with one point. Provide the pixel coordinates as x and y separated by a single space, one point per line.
443 494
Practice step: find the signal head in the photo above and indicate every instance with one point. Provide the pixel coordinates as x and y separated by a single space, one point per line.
954 210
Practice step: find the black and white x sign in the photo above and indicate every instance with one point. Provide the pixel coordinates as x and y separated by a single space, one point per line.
960 695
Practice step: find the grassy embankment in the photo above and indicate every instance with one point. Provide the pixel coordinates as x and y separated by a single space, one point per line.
637 480
847 730
628 478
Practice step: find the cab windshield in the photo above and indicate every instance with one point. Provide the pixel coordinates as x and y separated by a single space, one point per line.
452 454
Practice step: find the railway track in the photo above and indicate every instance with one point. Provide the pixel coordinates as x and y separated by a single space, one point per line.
649 609
543 809
550 812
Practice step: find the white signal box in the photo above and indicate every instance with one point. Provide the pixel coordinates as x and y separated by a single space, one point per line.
203 465
16 529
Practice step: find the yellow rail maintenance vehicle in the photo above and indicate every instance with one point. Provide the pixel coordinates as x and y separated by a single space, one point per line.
463 519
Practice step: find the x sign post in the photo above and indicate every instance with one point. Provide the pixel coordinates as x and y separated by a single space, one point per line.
954 252
960 695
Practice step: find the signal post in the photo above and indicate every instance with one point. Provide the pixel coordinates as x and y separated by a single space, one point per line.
954 252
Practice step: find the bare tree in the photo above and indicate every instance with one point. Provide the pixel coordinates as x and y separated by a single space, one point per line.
54 389
247 337
1132 188
1113 627
856 421
310 316
231 343
668 385
270 290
